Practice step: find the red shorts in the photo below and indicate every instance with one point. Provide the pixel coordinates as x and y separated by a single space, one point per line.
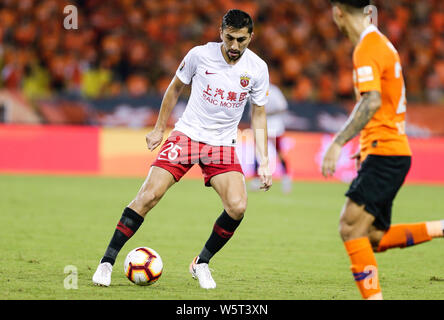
179 154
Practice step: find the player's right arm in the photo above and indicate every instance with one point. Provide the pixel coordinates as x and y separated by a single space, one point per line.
154 138
362 113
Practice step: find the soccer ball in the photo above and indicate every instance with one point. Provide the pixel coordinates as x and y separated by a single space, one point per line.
143 266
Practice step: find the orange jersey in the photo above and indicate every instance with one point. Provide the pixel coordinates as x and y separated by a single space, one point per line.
377 66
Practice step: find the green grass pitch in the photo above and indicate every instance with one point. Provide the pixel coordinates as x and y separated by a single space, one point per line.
287 247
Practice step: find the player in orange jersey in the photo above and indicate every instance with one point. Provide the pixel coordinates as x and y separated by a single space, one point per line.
384 158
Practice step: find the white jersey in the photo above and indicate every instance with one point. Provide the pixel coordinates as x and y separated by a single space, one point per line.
275 109
219 93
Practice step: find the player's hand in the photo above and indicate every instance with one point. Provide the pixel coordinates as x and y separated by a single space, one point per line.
330 159
265 176
357 158
153 139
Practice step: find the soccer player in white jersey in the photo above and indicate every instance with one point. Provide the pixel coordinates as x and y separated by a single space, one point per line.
276 109
223 76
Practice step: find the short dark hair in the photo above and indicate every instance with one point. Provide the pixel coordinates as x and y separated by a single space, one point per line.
237 19
359 4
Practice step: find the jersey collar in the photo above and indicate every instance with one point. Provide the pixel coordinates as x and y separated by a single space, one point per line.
371 28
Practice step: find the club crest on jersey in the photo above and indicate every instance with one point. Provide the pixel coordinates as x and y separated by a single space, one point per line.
244 80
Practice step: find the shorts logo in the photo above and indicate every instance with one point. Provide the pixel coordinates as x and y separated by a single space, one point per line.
244 80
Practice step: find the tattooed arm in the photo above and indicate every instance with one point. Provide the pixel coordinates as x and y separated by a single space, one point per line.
363 111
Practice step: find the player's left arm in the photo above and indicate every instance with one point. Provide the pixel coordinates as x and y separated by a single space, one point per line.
259 125
363 112
169 101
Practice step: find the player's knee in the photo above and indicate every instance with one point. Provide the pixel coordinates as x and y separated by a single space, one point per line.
375 238
354 221
349 231
148 199
344 230
236 208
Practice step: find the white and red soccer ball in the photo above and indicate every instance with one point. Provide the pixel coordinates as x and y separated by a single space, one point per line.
143 266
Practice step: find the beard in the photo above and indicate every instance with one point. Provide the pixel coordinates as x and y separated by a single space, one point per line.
343 29
233 55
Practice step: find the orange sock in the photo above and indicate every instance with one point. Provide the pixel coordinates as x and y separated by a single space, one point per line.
404 235
364 267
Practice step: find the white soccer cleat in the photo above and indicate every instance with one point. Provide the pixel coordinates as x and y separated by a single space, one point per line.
102 276
202 272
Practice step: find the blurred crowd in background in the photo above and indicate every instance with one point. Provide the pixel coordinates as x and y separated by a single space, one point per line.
133 47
